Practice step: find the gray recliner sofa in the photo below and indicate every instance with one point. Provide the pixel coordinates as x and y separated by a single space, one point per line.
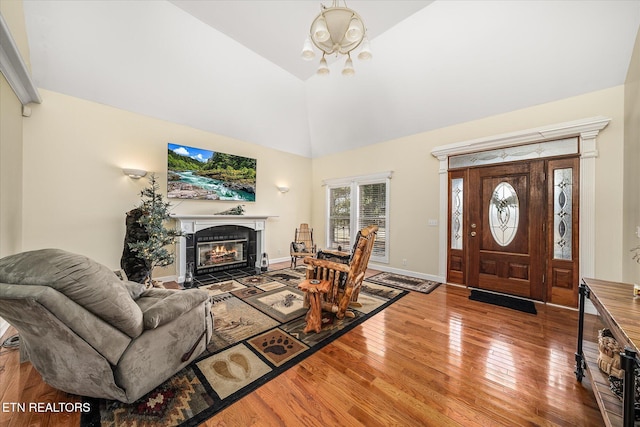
89 333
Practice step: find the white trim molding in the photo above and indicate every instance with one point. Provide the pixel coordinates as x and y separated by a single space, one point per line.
545 133
358 178
586 129
354 183
14 69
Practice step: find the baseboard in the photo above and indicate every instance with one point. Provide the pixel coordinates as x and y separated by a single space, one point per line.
589 308
277 260
409 273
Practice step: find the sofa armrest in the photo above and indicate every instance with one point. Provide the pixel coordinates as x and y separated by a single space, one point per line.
169 305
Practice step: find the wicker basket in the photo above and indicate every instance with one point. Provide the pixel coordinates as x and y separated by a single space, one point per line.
609 354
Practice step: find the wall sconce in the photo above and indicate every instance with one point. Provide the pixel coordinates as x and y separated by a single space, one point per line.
134 173
283 188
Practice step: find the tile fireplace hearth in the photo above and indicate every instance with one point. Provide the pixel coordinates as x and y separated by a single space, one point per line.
219 246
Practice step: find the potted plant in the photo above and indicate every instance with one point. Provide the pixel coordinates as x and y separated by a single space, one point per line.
148 239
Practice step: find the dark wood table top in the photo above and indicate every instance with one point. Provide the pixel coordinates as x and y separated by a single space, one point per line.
619 308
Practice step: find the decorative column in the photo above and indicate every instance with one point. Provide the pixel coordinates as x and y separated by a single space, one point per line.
588 155
444 217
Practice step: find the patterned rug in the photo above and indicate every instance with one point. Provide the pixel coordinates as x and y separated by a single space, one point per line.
258 334
405 282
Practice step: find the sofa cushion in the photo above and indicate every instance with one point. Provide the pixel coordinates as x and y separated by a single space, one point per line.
88 283
161 306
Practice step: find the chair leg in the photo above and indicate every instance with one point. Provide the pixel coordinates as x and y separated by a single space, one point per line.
314 315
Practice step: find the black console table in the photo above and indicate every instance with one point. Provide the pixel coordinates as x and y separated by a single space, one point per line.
620 312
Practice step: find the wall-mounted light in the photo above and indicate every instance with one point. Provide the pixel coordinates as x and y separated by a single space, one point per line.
134 173
283 188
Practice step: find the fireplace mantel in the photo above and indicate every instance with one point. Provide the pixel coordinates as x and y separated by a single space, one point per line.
223 217
190 224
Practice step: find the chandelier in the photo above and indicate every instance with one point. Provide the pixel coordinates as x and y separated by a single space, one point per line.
337 30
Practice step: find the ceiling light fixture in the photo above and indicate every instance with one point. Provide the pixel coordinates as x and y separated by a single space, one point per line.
337 30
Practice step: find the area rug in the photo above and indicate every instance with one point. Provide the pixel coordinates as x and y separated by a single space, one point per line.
405 282
504 301
258 334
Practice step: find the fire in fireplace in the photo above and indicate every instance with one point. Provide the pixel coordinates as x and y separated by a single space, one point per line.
221 253
221 248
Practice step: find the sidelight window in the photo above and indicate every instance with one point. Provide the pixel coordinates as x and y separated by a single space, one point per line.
562 213
456 213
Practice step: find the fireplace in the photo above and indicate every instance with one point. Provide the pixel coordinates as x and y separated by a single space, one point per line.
222 247
220 254
215 243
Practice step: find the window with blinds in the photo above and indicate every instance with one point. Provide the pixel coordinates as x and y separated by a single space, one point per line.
372 210
339 234
354 203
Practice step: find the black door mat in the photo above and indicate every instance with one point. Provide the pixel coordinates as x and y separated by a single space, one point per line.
504 301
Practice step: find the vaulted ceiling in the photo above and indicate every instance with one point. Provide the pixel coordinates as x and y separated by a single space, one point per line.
234 67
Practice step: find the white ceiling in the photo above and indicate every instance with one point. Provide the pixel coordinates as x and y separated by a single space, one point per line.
234 67
276 29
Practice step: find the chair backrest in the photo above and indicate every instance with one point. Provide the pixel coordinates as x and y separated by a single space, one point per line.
304 234
362 250
91 285
345 280
357 267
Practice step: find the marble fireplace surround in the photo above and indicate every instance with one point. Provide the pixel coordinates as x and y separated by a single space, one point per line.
190 224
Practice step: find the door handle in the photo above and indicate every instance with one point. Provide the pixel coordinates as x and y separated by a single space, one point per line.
473 234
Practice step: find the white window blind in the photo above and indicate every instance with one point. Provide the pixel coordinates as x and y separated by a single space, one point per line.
372 210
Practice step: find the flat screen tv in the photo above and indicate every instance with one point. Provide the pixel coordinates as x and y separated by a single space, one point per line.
198 174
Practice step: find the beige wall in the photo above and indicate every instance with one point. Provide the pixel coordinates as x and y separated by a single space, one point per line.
11 140
10 170
415 183
631 219
76 196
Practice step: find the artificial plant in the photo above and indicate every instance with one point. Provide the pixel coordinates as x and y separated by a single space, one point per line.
153 250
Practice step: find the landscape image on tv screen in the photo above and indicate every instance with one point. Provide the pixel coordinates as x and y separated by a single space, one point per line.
197 174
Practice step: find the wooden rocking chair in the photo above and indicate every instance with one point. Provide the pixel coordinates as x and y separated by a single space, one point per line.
333 286
302 245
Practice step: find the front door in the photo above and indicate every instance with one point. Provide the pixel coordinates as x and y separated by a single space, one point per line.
513 229
506 228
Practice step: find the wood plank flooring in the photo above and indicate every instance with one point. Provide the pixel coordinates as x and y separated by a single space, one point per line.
427 360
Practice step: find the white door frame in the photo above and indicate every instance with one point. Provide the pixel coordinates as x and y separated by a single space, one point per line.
586 129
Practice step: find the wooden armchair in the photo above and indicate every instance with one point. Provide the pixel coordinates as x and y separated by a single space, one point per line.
333 286
302 245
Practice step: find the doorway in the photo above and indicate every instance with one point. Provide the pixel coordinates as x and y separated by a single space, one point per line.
513 228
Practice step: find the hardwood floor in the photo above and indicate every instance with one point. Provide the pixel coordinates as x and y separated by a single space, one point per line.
427 360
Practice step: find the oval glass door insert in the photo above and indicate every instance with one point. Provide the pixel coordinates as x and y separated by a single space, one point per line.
504 213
